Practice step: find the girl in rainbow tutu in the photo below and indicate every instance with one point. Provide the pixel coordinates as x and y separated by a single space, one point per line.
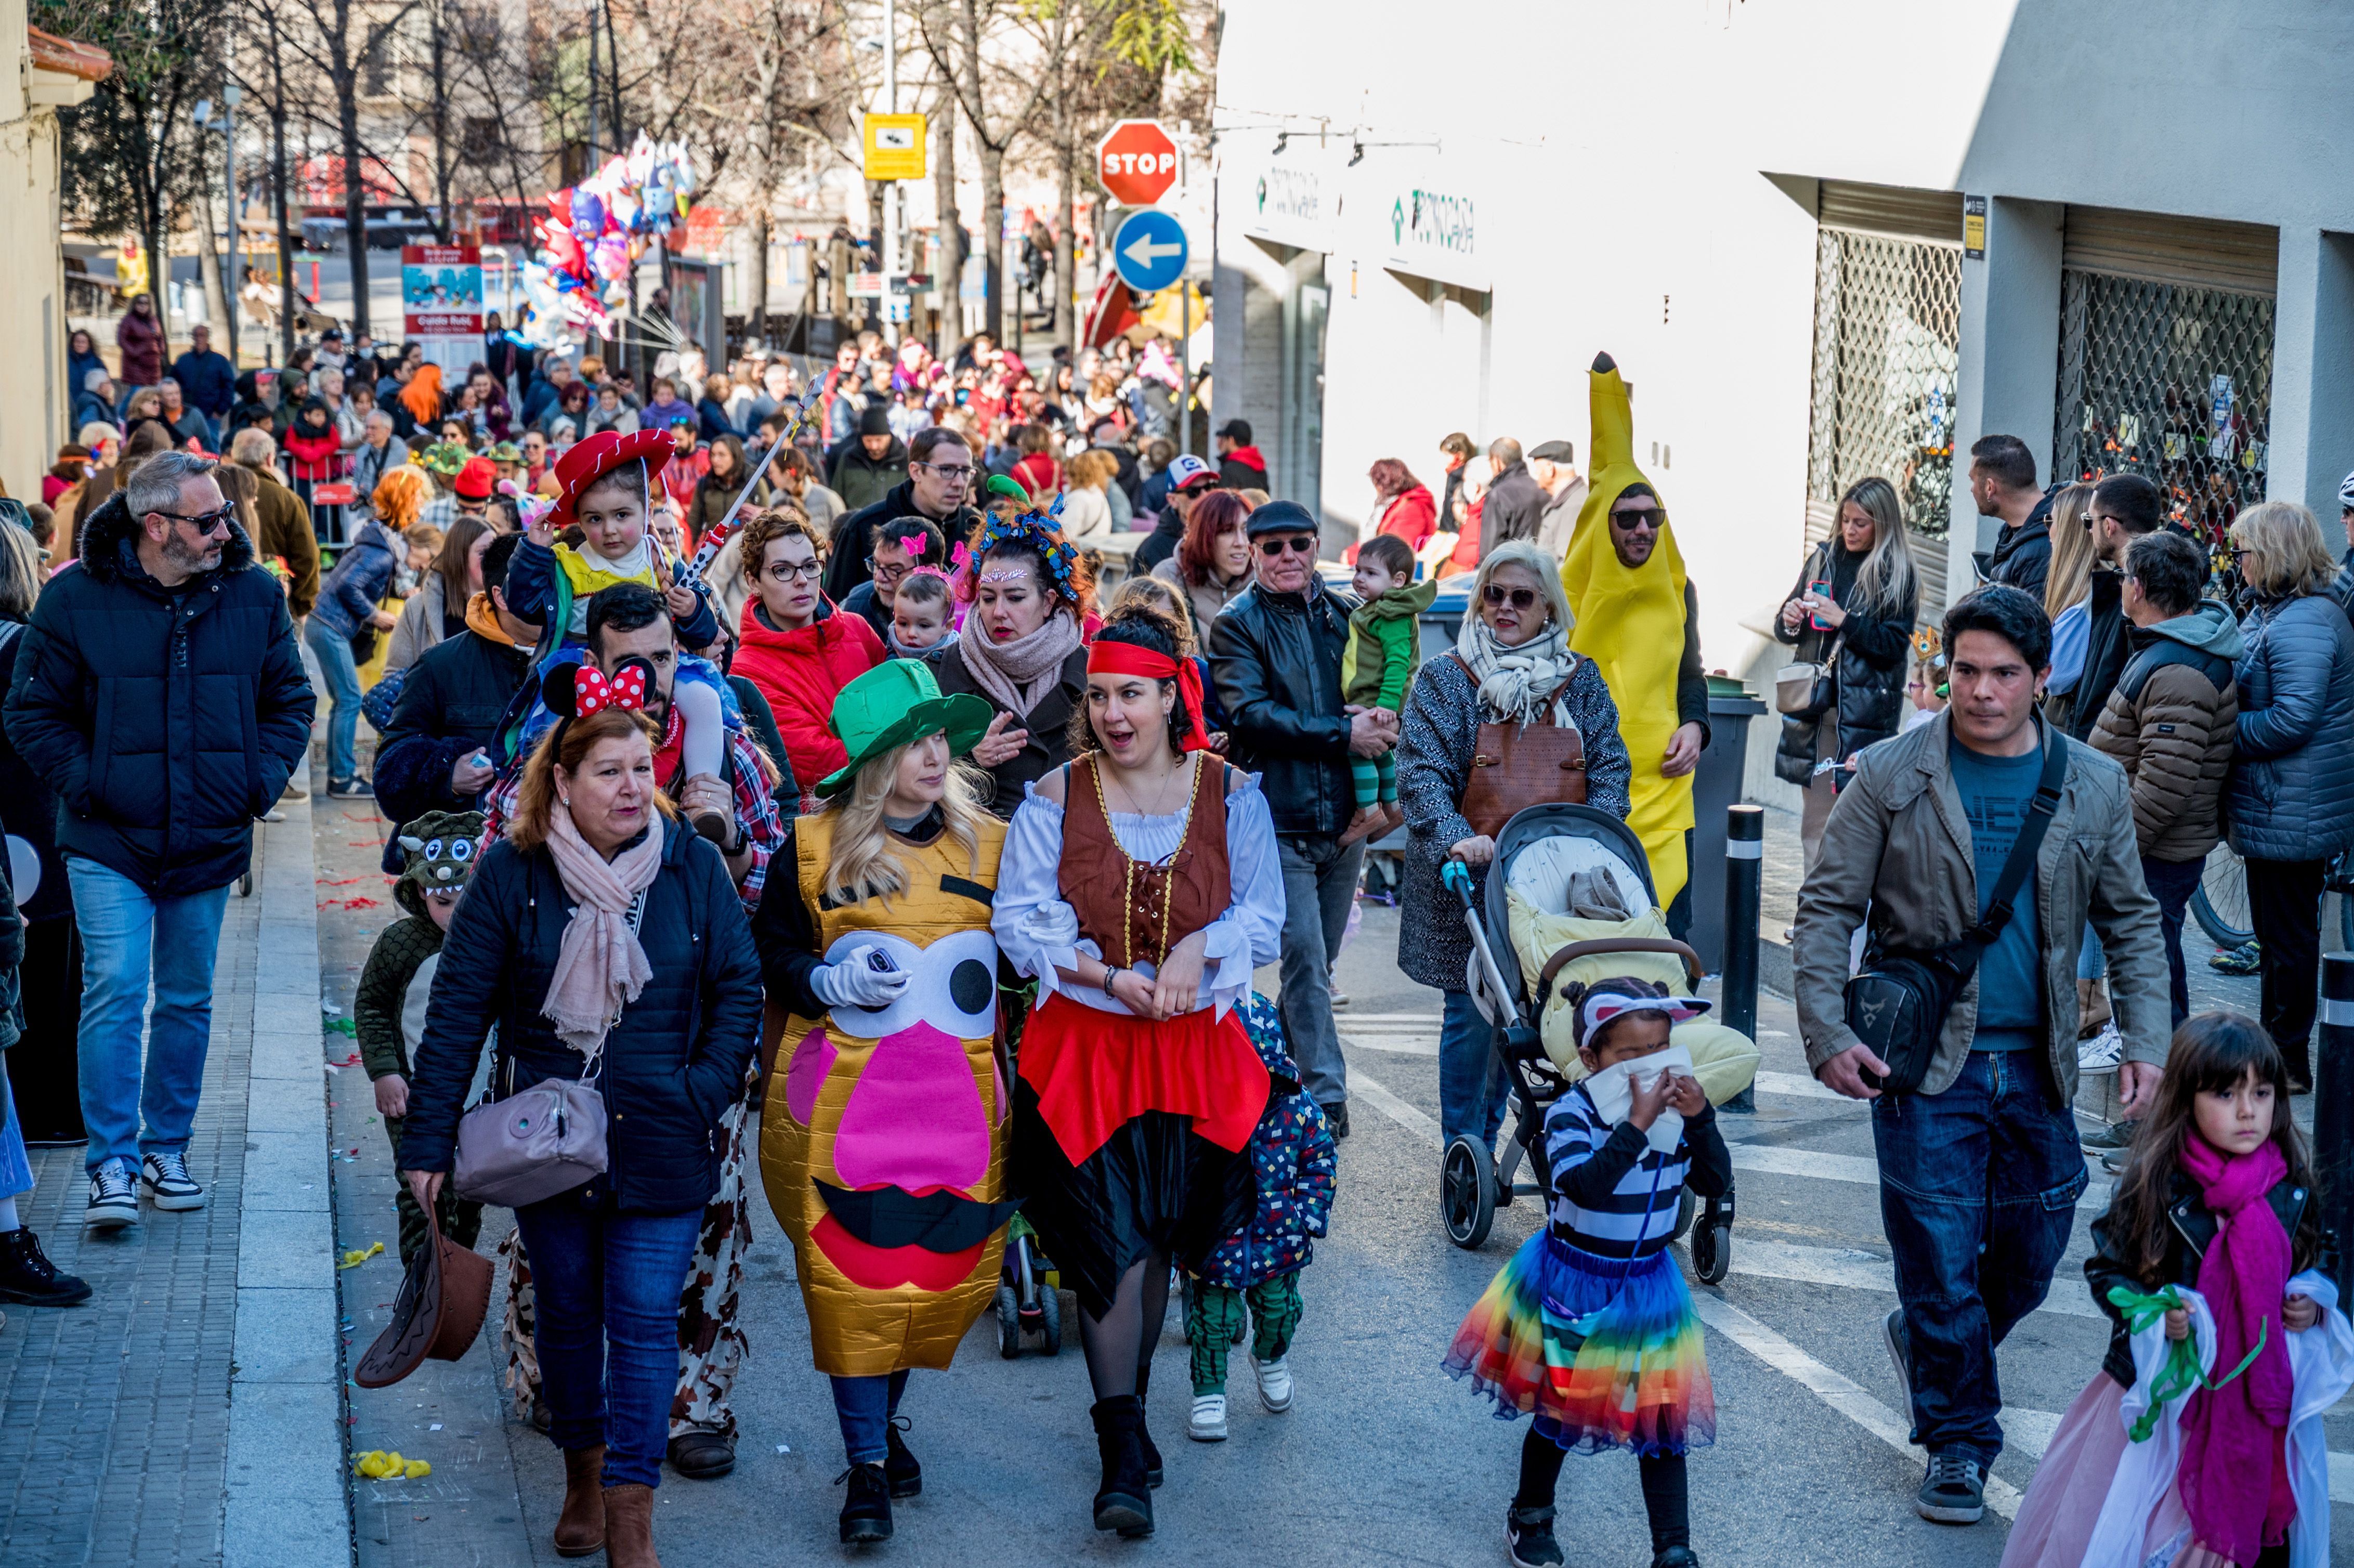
1589 1328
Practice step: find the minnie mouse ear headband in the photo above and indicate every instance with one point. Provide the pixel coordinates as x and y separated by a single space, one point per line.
1605 1001
575 691
586 462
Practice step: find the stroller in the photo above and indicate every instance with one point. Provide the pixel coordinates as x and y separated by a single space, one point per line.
1470 1183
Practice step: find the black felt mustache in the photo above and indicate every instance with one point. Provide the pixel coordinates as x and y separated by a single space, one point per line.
894 1217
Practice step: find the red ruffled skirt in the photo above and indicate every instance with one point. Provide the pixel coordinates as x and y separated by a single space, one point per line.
1095 1071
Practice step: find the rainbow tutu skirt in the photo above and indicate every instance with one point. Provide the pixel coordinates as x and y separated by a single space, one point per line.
1604 1355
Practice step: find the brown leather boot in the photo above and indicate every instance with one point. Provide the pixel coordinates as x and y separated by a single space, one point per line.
630 1527
580 1528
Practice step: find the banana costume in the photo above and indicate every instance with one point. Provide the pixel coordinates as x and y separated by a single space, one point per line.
882 1141
1630 622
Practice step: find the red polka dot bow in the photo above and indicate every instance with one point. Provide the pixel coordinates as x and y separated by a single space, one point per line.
592 693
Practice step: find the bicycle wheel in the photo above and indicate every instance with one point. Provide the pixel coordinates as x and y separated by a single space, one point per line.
2220 904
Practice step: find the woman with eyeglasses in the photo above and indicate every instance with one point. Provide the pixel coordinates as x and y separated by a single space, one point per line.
1511 664
1852 610
797 648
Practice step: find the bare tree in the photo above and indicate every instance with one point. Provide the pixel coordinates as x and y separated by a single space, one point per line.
962 36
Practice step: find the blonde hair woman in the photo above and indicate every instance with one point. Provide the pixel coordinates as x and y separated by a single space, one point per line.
2290 802
880 948
1852 611
649 987
1086 507
2067 597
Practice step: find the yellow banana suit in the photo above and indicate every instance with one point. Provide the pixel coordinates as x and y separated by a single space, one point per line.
1630 622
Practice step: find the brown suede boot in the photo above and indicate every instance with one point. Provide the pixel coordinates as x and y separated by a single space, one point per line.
580 1528
2093 1009
630 1527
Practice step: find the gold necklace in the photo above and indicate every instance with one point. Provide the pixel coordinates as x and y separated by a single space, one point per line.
1127 874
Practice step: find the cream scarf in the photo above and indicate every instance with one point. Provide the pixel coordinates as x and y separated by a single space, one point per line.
1017 675
600 966
1514 681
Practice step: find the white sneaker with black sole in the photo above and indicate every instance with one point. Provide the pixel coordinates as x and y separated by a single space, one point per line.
163 1176
113 1199
1274 1384
1208 1422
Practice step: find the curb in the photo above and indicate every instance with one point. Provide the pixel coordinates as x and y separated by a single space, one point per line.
287 1506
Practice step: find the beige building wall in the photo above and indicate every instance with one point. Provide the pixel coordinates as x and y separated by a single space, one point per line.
33 396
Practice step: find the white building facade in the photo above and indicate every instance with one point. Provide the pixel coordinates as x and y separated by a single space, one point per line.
1431 220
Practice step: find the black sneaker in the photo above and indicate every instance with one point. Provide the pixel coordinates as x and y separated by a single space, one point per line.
113 1197
27 1276
163 1177
2109 1134
353 789
1675 1557
1337 1115
1900 1354
1528 1536
899 1468
866 1512
701 1455
1953 1492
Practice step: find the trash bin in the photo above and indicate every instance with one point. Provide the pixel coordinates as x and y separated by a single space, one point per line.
1717 785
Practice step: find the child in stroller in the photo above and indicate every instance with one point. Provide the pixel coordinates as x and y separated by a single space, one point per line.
1568 900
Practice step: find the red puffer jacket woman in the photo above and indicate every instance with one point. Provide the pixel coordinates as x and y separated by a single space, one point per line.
314 445
800 671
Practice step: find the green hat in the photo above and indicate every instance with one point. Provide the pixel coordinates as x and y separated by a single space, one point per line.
505 452
895 703
444 458
439 856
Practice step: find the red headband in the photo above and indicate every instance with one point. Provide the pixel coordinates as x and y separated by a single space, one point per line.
1127 659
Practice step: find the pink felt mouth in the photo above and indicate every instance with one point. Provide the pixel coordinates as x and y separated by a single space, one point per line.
915 1118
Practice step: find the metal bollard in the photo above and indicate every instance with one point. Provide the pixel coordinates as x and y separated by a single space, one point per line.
2333 1111
1744 876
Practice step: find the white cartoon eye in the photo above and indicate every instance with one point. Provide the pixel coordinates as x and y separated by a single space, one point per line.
433 849
461 849
952 985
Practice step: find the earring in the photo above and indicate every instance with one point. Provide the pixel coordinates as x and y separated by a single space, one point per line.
565 800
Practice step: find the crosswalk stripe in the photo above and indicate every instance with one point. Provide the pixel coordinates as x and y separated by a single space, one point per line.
1834 1388
1853 1268
1774 1159
1395 1044
1396 1109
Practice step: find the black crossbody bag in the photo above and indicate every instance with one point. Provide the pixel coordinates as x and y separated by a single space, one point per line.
1897 1006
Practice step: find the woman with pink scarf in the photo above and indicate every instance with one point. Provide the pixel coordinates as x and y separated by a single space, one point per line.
2199 1444
1029 598
605 940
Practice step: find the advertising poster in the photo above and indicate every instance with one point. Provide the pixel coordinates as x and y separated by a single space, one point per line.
441 304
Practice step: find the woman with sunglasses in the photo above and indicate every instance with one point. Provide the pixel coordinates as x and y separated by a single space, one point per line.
1511 664
797 648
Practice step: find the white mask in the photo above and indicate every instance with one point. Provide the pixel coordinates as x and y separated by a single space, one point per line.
1613 1092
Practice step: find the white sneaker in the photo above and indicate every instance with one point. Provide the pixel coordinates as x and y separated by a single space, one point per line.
1274 1383
1208 1422
2103 1052
113 1201
164 1176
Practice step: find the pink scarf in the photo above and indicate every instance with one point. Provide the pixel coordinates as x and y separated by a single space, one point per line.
600 966
2232 1435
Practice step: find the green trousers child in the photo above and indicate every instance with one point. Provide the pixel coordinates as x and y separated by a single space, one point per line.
1374 779
1214 1321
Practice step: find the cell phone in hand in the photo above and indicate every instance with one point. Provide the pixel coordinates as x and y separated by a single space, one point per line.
1820 588
880 961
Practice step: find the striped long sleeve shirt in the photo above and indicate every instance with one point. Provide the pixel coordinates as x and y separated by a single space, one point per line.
1615 1195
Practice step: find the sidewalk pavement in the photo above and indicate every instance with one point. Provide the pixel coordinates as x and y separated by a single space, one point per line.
189 1411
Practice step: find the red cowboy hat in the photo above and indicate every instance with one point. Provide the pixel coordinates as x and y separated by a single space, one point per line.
584 462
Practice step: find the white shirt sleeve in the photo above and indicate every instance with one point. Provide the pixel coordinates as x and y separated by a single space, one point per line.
1036 929
1250 933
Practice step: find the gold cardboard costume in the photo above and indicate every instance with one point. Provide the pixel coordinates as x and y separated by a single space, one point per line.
882 1141
1630 622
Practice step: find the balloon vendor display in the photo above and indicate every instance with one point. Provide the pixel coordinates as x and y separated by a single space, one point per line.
577 278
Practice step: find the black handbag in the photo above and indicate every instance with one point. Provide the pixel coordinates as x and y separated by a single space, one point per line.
1898 1004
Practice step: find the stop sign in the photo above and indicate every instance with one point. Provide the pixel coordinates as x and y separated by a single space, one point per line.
1137 162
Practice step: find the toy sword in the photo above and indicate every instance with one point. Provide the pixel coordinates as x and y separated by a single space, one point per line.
691 572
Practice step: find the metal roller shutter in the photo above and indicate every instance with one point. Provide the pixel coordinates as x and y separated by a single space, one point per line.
1892 210
2195 252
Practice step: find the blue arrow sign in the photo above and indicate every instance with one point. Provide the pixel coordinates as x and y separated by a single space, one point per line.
1149 250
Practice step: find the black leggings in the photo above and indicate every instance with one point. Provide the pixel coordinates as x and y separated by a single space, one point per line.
1666 1496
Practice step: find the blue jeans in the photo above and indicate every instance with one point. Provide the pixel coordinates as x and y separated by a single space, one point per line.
2171 882
1978 1193
608 1286
333 651
864 1406
125 932
1472 1082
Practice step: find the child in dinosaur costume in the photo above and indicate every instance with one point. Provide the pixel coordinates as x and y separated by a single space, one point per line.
1637 624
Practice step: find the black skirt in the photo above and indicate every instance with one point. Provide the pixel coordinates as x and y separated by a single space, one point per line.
1154 1186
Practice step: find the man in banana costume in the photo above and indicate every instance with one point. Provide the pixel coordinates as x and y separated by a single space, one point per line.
882 1131
1638 620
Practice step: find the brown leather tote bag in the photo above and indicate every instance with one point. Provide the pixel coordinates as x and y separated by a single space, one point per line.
1516 765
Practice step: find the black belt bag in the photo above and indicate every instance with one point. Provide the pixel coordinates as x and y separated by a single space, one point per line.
1897 1006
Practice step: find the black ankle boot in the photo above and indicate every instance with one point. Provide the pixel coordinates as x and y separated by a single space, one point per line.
1124 1502
867 1511
26 1274
1153 1472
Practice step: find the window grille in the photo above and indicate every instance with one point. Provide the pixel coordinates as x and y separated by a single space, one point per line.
1887 349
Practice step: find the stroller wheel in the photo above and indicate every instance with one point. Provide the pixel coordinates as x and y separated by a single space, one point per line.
1050 1305
1467 1193
1008 1323
1712 1252
1684 1207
